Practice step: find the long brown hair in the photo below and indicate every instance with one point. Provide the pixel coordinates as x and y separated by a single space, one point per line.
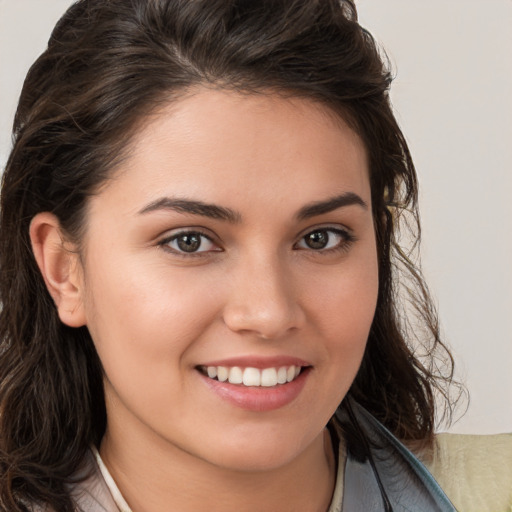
108 65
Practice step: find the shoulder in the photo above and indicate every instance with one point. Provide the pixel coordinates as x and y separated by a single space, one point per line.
90 492
475 471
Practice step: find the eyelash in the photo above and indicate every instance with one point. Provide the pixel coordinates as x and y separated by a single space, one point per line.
165 243
347 239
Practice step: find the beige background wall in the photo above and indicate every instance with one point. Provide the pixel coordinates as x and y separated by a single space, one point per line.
453 97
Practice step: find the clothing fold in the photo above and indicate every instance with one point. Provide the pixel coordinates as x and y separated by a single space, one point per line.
381 474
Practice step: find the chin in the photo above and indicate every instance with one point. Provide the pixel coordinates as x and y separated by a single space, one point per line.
258 453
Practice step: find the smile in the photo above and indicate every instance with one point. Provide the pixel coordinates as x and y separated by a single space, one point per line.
252 377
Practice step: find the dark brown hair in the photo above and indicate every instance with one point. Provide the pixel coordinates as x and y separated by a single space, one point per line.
108 65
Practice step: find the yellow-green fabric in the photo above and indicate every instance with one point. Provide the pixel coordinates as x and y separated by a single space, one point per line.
475 471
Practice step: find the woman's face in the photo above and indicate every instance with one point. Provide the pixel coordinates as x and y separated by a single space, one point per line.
236 242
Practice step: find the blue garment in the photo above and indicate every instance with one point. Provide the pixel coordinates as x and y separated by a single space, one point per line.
381 474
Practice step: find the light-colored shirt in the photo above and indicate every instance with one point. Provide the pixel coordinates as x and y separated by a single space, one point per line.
474 471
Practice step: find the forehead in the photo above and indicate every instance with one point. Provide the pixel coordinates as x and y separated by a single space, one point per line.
231 145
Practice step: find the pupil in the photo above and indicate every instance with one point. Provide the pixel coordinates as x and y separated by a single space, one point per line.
189 242
317 240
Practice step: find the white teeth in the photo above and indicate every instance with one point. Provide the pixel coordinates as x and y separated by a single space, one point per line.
235 375
222 373
281 375
254 377
269 377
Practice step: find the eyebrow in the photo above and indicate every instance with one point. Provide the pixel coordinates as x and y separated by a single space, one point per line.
222 213
329 205
193 207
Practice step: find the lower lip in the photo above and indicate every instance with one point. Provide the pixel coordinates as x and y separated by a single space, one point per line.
258 398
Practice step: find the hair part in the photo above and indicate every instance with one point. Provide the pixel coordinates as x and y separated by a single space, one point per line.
108 66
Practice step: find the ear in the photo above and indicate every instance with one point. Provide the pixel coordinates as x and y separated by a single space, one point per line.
60 267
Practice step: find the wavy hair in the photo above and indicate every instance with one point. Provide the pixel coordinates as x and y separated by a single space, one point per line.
110 64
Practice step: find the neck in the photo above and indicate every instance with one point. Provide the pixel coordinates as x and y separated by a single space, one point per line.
150 477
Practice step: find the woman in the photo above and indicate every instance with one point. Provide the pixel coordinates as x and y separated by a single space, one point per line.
199 269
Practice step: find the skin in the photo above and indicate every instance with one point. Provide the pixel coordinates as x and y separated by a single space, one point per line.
255 289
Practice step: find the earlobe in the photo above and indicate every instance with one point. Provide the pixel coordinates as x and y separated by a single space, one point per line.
60 267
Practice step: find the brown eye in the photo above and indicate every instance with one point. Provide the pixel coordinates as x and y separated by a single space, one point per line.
326 239
317 239
189 242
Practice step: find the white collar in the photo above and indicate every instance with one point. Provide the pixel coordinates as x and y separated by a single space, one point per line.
112 487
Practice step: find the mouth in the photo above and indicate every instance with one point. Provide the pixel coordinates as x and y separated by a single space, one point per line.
256 384
253 377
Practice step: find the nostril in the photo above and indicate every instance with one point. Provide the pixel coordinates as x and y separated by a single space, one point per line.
266 323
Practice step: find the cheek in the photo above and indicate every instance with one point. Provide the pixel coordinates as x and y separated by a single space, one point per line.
343 307
145 331
145 321
346 298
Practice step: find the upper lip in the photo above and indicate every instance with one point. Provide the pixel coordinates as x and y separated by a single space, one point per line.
259 362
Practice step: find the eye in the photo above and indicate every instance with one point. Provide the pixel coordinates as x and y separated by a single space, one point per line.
189 242
325 239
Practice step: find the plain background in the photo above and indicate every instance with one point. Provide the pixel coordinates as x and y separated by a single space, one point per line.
453 98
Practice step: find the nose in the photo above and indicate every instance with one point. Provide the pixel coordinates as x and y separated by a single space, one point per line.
263 300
